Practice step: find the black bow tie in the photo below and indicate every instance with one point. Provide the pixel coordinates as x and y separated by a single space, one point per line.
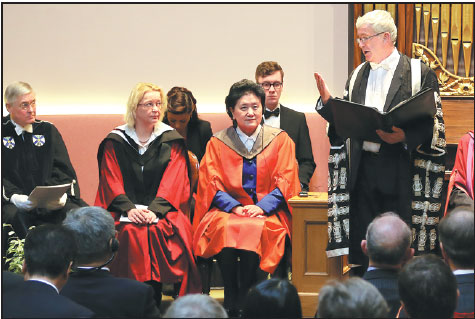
268 113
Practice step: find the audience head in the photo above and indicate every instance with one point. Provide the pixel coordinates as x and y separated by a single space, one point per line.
388 241
273 298
20 100
267 73
145 100
376 34
428 288
94 231
245 100
181 109
195 306
457 239
49 252
352 298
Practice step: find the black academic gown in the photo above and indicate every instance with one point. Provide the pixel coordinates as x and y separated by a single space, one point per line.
40 160
392 171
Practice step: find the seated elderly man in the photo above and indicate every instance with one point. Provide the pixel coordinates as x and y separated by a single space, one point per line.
91 284
33 154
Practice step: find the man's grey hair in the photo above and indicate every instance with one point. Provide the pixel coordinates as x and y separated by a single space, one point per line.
352 298
16 89
388 238
195 306
380 21
93 228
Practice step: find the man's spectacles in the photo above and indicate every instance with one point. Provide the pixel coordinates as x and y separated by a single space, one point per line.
26 105
267 85
363 40
150 105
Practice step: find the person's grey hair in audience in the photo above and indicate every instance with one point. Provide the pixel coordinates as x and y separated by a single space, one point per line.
456 236
273 298
388 240
195 306
352 298
93 228
428 288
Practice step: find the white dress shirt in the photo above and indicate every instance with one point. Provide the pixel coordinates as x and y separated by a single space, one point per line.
248 141
273 121
379 81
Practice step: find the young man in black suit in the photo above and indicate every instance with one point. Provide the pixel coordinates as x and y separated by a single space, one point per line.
388 246
270 76
91 284
49 254
456 232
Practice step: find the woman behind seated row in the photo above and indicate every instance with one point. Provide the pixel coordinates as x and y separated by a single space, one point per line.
143 175
247 175
181 114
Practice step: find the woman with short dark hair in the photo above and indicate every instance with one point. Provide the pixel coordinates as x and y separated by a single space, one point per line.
246 178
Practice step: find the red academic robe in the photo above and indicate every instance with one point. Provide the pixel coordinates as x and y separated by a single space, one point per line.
462 172
221 170
161 251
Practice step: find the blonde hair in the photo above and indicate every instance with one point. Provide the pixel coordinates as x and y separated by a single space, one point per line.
380 21
16 89
136 96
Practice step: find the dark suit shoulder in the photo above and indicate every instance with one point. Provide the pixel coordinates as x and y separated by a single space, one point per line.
291 112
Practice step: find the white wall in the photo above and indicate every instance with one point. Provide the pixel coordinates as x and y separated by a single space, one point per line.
85 58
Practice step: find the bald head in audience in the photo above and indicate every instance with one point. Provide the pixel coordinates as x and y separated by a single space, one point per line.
388 242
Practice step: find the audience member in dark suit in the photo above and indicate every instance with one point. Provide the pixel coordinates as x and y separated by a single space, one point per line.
270 76
352 298
456 243
273 298
11 280
195 306
388 246
428 288
49 253
91 284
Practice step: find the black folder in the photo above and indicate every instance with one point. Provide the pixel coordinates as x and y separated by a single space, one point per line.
358 121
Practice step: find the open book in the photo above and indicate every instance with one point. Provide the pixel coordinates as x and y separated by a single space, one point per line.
359 121
44 194
125 219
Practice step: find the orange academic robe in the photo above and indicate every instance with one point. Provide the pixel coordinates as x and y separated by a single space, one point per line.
221 170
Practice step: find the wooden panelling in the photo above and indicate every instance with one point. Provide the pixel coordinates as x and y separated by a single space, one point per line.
311 268
458 118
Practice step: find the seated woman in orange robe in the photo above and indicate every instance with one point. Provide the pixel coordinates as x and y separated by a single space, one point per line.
143 176
246 177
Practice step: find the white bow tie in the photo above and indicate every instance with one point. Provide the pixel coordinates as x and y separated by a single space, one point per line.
375 66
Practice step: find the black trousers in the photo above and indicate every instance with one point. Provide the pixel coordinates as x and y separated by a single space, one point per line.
367 201
238 277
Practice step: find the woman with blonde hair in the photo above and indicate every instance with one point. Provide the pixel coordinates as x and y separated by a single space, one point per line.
144 183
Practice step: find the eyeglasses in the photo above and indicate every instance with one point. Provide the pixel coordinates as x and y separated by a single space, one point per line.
150 105
267 85
26 105
363 40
